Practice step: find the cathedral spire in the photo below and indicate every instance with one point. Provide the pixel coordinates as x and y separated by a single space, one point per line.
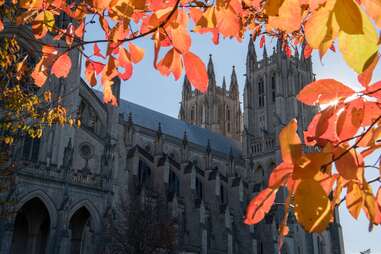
233 90
251 49
211 75
187 89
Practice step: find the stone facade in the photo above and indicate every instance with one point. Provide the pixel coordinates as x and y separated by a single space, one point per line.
218 109
67 184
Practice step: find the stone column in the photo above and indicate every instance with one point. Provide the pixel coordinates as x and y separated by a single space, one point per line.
6 233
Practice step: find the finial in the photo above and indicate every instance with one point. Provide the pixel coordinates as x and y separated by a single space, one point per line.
159 132
208 147
185 138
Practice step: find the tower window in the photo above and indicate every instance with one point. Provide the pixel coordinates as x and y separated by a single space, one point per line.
261 94
192 115
199 189
174 184
273 86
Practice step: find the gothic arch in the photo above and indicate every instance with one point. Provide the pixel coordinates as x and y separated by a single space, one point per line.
46 200
93 211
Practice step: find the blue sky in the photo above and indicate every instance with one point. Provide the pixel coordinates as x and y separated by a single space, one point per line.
148 88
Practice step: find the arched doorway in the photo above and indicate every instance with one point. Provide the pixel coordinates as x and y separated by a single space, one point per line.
80 226
32 226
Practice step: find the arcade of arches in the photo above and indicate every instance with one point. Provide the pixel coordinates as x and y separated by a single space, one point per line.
33 230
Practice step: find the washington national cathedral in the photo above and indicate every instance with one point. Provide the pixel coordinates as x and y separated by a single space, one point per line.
206 165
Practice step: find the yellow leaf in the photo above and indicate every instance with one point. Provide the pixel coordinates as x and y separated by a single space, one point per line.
357 37
49 20
290 144
312 206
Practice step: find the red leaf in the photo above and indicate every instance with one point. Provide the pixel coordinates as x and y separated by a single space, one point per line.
307 51
350 119
365 77
262 42
374 90
61 66
196 71
324 91
97 51
280 174
259 206
98 67
136 53
332 48
1 25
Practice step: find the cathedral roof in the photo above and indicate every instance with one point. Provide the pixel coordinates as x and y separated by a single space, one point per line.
174 127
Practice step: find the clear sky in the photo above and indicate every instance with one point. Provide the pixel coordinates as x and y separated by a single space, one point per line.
148 88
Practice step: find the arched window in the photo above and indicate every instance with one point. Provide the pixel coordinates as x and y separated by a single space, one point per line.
273 87
227 117
203 114
261 93
144 172
173 185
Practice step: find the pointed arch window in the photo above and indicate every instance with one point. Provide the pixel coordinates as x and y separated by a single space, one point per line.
192 115
261 93
273 87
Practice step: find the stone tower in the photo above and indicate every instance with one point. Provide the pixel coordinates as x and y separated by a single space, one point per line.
218 109
271 86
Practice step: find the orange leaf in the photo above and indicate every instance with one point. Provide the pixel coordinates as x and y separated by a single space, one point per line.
309 165
61 66
365 77
349 163
39 74
354 199
171 63
324 91
90 73
1 25
136 53
259 206
125 62
290 144
280 174
196 71
181 39
312 211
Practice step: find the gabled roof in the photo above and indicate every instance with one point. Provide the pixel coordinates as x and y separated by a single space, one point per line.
174 127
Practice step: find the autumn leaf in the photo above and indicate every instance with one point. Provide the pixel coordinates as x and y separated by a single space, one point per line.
90 73
290 144
259 206
97 51
355 29
1 25
280 174
354 199
196 71
124 61
324 91
136 53
312 210
62 66
365 77
348 162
